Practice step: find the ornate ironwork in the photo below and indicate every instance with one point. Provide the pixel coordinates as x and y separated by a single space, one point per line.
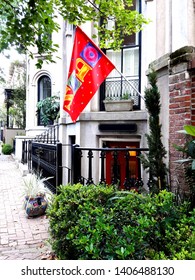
90 179
130 182
116 88
102 157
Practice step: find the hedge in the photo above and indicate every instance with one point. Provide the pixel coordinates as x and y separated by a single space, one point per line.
97 222
7 149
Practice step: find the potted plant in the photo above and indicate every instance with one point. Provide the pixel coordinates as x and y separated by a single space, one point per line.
119 104
48 109
36 201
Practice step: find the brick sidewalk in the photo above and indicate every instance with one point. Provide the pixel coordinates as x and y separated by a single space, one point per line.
20 238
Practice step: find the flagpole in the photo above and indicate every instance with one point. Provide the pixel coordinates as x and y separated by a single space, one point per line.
130 83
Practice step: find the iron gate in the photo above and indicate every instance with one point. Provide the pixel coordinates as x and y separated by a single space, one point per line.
47 161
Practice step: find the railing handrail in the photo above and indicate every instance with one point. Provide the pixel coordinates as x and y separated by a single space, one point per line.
127 182
111 149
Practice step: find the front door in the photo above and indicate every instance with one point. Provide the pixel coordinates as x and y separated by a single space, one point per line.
118 164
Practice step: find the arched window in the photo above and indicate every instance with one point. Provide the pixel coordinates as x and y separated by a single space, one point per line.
44 91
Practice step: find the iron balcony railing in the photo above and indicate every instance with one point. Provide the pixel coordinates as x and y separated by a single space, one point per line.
117 88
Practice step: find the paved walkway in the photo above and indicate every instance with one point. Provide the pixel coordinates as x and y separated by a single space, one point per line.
20 238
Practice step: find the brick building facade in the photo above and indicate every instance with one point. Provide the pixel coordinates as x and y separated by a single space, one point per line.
176 75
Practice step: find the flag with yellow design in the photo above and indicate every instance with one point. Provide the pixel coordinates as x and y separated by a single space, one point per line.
89 67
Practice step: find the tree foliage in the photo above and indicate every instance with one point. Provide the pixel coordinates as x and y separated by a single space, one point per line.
26 23
18 110
17 101
2 76
155 157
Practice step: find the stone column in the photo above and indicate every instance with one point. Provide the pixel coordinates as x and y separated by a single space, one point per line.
181 106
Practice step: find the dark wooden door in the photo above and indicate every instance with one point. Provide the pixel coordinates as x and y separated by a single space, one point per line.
117 163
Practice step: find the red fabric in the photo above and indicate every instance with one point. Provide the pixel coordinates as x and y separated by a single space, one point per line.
89 67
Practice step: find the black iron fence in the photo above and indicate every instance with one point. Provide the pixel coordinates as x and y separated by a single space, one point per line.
43 155
25 150
118 166
108 166
47 160
49 136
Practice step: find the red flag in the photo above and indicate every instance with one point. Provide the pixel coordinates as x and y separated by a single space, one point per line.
89 67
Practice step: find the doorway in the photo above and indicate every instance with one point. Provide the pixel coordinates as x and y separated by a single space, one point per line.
123 165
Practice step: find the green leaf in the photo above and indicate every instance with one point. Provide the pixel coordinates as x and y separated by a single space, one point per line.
193 165
190 129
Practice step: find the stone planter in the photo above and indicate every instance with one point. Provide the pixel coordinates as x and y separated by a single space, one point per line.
118 105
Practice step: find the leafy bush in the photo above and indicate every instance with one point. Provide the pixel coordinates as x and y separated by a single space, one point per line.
188 163
7 149
49 109
96 222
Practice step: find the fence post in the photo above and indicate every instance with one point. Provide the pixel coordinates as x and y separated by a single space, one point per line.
30 155
102 157
76 164
90 179
127 183
24 151
58 164
115 169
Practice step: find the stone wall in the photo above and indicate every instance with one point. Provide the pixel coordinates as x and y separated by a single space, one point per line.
10 133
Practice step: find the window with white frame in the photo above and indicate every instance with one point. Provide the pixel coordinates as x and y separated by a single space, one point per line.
44 91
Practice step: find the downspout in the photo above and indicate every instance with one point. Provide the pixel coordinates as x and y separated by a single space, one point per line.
170 25
140 55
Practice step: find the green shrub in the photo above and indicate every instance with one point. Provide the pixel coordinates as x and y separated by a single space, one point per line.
7 149
96 222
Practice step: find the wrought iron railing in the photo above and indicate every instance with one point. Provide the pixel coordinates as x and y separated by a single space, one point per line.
43 155
50 135
87 165
118 87
130 182
47 161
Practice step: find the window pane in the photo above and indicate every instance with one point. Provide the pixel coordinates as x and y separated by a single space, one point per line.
115 57
44 87
129 40
130 61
